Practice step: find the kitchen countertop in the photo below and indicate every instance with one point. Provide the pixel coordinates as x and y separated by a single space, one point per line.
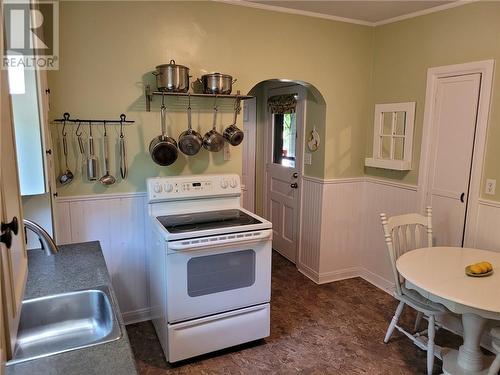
75 267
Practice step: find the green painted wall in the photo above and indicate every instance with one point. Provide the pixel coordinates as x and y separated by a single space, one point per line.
108 50
403 52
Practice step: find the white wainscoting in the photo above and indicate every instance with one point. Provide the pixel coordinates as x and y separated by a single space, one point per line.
341 234
118 222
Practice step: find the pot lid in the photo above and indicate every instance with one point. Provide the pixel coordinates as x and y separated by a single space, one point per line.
171 64
217 75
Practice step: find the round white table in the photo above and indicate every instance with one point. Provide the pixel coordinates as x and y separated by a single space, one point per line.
438 273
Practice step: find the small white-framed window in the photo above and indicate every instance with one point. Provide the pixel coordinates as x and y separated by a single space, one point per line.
392 136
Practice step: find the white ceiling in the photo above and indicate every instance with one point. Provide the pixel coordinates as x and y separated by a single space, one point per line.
369 12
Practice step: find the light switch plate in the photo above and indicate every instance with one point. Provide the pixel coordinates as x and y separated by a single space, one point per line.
491 186
307 158
227 152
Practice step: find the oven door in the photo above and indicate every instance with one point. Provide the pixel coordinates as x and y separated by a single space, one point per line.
209 275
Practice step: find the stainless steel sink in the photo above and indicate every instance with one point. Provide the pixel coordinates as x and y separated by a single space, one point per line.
63 322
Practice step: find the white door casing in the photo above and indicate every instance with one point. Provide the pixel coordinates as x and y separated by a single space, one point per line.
485 68
13 261
248 167
281 200
452 147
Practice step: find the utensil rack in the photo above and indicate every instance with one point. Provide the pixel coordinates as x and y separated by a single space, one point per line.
150 94
66 118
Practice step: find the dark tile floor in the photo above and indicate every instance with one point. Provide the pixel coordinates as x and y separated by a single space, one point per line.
334 328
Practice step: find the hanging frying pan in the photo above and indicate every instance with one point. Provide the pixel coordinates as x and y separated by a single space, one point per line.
190 141
213 141
163 149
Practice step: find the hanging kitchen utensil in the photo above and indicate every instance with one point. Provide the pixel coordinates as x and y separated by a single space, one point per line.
123 154
67 176
213 141
190 141
91 159
107 179
172 77
217 83
232 133
163 149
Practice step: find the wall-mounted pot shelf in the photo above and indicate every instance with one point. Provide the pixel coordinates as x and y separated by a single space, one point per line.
150 94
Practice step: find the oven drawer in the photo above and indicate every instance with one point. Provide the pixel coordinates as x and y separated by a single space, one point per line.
205 335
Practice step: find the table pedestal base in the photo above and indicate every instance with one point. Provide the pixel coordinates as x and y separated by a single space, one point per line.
468 360
451 366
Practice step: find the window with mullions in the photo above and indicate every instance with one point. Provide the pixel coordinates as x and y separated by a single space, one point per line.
392 136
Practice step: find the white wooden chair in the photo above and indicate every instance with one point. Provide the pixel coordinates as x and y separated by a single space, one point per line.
405 233
495 342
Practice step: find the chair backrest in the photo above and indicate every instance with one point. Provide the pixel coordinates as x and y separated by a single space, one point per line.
404 233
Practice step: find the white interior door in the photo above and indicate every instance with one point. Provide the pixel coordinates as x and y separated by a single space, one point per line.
452 148
283 169
248 167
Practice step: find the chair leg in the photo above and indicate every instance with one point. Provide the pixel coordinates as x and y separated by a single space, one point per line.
495 366
418 320
431 332
394 321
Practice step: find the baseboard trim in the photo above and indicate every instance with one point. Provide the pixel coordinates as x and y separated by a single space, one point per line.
376 280
137 316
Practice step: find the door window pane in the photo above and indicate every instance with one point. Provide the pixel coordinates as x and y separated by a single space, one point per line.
387 123
220 272
385 147
284 140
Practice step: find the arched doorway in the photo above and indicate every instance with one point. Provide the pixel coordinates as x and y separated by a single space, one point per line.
279 123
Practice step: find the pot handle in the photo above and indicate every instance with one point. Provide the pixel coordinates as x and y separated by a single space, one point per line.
234 80
172 62
162 118
156 73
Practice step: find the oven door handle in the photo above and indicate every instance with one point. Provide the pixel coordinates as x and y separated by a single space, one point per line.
207 243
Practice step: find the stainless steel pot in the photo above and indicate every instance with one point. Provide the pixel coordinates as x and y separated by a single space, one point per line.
190 141
213 141
172 77
163 149
232 133
217 83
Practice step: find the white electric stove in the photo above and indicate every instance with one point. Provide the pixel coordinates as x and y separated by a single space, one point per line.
210 265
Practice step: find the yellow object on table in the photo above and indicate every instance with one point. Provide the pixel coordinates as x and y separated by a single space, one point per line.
479 269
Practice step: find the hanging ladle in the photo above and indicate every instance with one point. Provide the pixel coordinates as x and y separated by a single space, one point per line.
107 179
67 176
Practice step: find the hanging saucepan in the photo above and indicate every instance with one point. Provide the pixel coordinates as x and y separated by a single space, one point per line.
190 141
217 83
232 133
172 77
213 141
163 149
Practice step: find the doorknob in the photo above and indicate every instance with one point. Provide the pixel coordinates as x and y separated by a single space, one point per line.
294 185
12 226
462 196
295 175
6 238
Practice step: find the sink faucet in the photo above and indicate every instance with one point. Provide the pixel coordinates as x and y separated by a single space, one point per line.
46 241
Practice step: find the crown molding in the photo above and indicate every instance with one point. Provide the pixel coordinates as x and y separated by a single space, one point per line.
280 9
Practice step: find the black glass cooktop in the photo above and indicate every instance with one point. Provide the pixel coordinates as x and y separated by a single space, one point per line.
206 220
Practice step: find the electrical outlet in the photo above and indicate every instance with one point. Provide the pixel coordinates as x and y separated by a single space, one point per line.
227 152
491 186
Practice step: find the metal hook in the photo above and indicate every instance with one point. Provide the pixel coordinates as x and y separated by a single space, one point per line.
163 100
65 118
90 128
78 134
122 118
215 103
105 132
189 100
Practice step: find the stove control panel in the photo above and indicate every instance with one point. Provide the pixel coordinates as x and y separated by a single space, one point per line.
193 187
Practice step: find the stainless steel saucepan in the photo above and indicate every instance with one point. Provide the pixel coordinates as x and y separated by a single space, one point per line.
213 141
190 141
163 149
232 133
